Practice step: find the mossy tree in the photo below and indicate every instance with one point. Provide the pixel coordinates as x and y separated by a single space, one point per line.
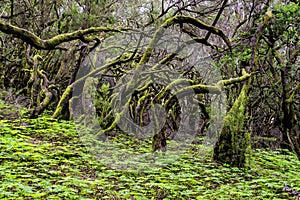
234 142
45 69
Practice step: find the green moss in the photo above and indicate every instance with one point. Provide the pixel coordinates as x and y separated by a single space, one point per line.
234 141
62 101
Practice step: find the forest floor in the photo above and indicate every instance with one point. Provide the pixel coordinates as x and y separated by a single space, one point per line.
46 159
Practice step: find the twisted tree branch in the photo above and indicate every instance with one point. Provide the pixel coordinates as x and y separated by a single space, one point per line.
53 42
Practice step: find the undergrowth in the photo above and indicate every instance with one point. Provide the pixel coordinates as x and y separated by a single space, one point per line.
45 159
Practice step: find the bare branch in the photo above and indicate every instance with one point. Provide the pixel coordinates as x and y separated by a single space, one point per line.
198 23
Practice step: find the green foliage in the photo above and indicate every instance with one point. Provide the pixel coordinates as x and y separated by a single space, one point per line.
44 159
291 8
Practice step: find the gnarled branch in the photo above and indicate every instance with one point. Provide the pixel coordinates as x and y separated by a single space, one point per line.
53 42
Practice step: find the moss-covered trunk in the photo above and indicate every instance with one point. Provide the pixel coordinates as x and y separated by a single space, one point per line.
234 140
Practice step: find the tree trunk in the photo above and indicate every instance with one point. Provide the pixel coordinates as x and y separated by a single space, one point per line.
234 142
